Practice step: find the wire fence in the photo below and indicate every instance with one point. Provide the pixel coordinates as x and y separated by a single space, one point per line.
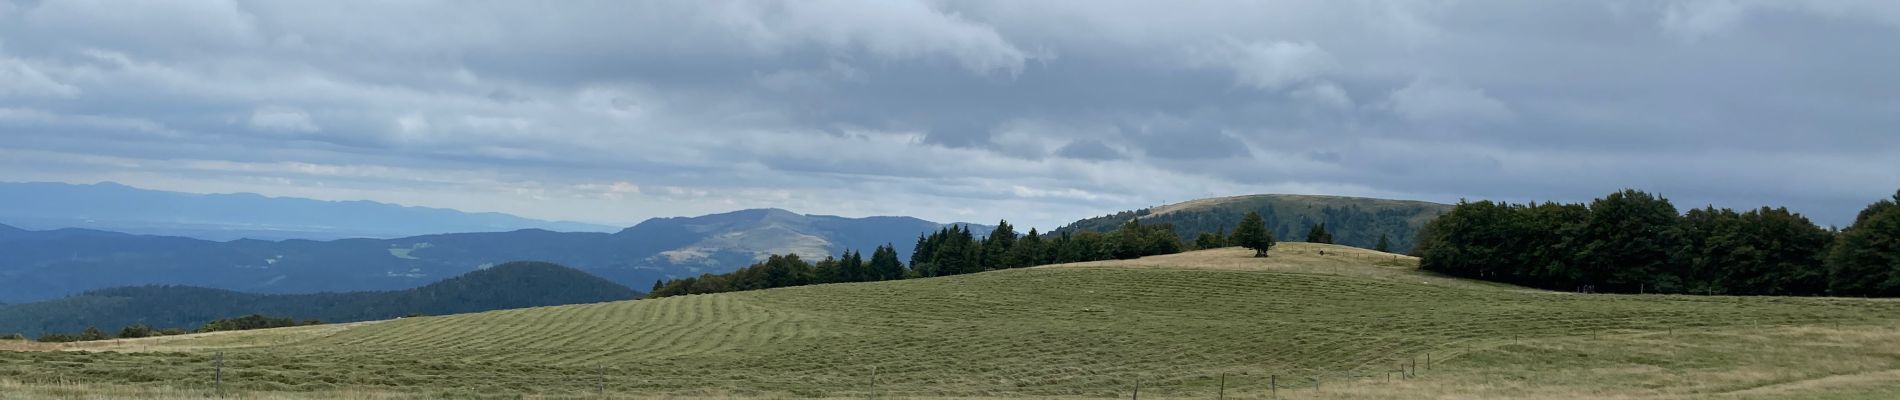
604 382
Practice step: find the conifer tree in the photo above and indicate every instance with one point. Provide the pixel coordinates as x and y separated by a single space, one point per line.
997 246
1318 234
1027 252
1385 244
1252 233
830 270
884 264
921 253
851 267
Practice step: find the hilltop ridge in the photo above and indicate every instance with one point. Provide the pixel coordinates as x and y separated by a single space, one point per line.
1353 221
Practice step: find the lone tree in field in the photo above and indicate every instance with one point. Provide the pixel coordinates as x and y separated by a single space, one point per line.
1252 233
1385 244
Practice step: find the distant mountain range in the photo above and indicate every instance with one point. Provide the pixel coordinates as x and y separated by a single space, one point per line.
46 263
505 286
40 265
1353 221
119 208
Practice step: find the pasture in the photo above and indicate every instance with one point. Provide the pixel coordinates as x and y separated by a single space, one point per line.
1195 325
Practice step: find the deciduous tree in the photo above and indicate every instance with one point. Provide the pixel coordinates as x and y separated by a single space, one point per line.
1865 259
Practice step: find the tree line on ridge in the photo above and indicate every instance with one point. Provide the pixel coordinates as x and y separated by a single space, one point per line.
1636 242
949 251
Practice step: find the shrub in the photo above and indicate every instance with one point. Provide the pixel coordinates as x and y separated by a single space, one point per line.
93 333
135 331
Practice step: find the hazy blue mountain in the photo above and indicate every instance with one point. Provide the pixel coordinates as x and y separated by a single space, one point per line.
119 208
7 232
1353 221
505 286
40 265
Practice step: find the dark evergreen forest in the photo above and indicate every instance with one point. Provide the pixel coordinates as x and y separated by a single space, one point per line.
1632 241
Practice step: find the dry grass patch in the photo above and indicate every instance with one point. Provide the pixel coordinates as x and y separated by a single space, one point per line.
1296 257
201 341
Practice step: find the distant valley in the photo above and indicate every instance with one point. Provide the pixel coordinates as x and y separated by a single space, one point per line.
46 264
40 264
506 286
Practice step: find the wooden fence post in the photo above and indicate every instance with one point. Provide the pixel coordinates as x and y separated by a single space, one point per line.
217 374
1137 395
1273 386
873 390
1222 395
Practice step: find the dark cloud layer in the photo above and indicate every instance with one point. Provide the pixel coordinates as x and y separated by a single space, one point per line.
1042 112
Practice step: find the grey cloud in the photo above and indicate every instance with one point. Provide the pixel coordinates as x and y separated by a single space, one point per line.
19 79
1690 21
1323 156
1432 100
1269 65
1324 94
1176 138
953 110
1089 149
282 120
959 134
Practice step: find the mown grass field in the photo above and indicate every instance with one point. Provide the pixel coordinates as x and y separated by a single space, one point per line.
1174 325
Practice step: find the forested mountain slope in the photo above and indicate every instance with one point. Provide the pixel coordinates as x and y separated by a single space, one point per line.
1353 221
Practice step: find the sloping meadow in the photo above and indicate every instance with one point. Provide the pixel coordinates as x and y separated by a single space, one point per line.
1098 331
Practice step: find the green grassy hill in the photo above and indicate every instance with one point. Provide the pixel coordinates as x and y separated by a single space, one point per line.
1354 221
1175 325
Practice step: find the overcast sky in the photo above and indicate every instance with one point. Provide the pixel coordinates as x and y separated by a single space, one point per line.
1042 112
